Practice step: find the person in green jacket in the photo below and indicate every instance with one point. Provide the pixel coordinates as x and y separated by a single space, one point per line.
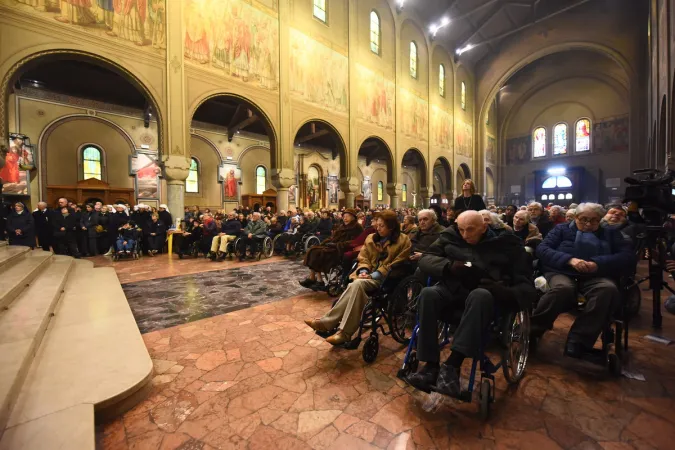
252 235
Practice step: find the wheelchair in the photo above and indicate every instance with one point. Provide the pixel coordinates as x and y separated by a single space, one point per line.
265 248
136 253
305 243
509 330
393 304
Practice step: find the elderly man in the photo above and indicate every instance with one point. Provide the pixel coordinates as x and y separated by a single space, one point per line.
522 228
229 231
581 257
426 233
509 214
252 235
478 267
43 228
557 215
540 218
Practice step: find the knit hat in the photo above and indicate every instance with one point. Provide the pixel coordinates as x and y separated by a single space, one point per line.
351 211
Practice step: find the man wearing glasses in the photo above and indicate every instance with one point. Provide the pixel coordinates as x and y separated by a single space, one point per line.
581 258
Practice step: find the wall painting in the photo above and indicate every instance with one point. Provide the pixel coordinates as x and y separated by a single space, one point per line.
518 150
144 166
292 194
376 97
234 38
333 188
611 135
318 74
230 175
464 145
138 22
414 116
490 149
367 188
441 128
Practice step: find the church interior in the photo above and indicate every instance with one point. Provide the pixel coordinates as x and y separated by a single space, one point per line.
136 132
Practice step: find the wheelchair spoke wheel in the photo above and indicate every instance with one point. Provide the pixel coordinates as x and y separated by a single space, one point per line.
267 248
402 309
311 242
516 340
370 349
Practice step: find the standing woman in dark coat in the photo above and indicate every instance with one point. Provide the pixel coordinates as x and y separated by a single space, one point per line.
43 228
102 230
88 223
469 200
165 216
21 227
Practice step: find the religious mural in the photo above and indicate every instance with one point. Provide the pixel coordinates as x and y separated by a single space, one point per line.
141 22
490 149
333 188
441 128
611 135
464 138
318 73
144 166
376 97
367 188
414 116
313 188
19 159
518 150
234 38
230 175
292 191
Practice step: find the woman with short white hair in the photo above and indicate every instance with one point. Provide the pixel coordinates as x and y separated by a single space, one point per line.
493 220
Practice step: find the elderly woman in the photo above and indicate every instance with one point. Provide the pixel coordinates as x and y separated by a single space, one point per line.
165 216
469 199
322 258
381 251
21 226
522 228
570 215
408 224
155 232
581 258
493 220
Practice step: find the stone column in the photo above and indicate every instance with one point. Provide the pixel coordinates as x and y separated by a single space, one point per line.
176 170
426 194
394 191
350 186
282 180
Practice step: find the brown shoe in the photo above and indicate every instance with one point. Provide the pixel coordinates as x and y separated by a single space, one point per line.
316 324
338 338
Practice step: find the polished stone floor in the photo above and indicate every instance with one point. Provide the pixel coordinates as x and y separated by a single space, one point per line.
258 378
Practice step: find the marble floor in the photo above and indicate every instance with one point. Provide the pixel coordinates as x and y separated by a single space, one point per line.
258 378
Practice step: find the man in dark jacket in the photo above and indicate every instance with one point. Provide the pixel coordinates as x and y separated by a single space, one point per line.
229 232
425 234
581 257
252 235
43 228
478 267
539 218
88 223
325 226
64 226
155 233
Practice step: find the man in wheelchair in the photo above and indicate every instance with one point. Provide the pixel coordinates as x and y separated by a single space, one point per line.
479 269
387 247
581 257
252 235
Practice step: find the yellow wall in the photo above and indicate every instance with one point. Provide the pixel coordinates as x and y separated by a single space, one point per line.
209 195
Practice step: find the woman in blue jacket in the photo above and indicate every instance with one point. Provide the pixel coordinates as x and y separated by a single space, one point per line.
581 258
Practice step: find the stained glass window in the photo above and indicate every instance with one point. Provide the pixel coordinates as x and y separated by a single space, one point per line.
404 193
463 96
441 80
560 139
380 191
583 135
91 163
192 182
260 180
413 60
374 32
539 139
320 10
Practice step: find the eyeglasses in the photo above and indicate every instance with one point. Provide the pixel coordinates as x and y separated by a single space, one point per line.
587 221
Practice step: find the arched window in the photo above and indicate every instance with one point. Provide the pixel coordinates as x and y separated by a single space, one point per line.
463 96
320 10
375 32
92 166
539 140
413 60
404 193
441 80
554 182
583 135
380 191
192 182
260 180
560 139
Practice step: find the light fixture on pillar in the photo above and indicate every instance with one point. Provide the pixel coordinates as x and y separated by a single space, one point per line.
464 49
399 5
433 29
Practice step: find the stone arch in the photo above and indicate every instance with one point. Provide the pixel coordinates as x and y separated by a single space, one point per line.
389 159
414 153
341 150
442 166
208 142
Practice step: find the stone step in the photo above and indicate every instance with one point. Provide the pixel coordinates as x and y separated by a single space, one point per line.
11 254
14 279
22 327
72 428
92 352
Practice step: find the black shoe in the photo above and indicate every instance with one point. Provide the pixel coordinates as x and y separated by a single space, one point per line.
423 380
575 350
180 256
212 256
319 286
448 381
307 283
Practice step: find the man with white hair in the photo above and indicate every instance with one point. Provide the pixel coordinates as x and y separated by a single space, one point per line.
43 228
539 217
426 233
252 235
525 230
557 214
581 258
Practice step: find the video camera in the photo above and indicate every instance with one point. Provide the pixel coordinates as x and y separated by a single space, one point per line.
651 193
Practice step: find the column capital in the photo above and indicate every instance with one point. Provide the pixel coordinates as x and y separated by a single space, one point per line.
283 178
350 185
176 169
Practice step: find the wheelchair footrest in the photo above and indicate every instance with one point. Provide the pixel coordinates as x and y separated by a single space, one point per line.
464 396
595 356
353 344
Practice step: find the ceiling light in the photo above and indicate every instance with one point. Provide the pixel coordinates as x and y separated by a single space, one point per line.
433 29
556 171
399 5
465 49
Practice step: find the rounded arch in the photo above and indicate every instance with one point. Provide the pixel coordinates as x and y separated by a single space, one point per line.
412 157
389 160
466 172
443 169
33 57
418 28
209 143
101 158
253 106
341 147
490 192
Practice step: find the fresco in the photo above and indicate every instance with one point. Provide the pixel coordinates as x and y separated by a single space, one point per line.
333 188
414 116
464 138
292 191
147 171
367 189
233 38
611 135
441 128
376 97
138 22
318 73
518 150
490 149
231 177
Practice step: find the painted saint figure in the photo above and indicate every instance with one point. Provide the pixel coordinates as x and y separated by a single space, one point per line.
77 12
130 19
108 10
10 172
231 185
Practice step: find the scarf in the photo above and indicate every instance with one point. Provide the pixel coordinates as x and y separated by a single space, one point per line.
588 245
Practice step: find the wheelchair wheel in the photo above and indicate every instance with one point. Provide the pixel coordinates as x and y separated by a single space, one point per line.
370 349
237 251
402 309
267 247
333 281
614 365
311 242
275 243
485 399
516 341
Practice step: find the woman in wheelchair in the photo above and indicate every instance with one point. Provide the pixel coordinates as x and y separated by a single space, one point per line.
322 258
581 257
480 269
381 250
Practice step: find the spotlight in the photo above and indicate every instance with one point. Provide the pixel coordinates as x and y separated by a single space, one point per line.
399 5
